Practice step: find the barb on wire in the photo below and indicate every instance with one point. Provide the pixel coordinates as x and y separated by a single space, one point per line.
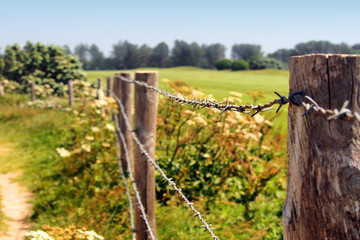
137 195
344 113
206 226
125 182
212 104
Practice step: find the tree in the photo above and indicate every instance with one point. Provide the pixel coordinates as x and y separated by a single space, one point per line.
144 55
245 51
223 64
43 64
180 54
160 56
96 58
322 47
125 55
213 53
239 65
283 55
260 62
82 51
196 57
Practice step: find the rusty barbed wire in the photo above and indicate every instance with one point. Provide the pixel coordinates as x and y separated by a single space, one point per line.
137 194
206 226
117 140
344 113
212 104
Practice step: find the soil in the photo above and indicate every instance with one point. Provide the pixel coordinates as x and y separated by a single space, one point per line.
15 206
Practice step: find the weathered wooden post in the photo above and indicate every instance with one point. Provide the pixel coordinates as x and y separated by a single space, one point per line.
124 91
109 86
1 88
33 91
145 127
323 192
100 93
71 93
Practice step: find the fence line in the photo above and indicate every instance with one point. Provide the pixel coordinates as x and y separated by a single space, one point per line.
331 114
117 140
137 195
168 180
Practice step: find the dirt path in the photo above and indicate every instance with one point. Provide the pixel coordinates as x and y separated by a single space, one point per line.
15 206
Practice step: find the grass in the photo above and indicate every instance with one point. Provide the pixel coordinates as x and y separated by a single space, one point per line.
33 135
220 83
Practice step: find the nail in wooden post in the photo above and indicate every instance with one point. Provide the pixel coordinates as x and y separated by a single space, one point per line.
124 91
145 127
71 93
32 91
100 93
323 192
109 87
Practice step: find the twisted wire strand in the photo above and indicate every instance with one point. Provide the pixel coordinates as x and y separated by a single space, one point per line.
125 182
137 194
212 104
343 113
206 226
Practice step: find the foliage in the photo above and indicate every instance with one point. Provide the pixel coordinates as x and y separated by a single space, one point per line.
239 65
245 51
49 66
224 64
160 56
40 62
260 62
57 233
322 47
217 157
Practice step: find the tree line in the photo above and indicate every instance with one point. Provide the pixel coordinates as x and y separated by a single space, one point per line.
126 55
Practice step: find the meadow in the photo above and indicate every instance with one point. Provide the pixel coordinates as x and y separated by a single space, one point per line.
75 190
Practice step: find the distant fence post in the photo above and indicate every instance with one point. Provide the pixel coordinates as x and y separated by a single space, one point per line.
124 91
1 88
145 127
323 192
100 93
71 93
109 90
32 91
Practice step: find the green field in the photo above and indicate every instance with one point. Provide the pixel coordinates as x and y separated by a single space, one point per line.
220 83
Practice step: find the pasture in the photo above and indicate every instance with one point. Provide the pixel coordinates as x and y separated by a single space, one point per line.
84 197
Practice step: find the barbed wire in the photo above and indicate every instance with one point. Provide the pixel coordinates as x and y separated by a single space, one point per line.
344 113
125 182
137 194
212 104
206 226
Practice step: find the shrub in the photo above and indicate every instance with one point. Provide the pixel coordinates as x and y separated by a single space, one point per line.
260 62
223 64
240 65
45 65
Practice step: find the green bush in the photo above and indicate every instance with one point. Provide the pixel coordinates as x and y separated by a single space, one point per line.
45 65
240 65
223 64
260 62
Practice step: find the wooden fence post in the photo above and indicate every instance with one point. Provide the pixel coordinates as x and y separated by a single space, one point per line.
33 91
145 127
71 93
100 93
1 88
109 90
323 192
124 91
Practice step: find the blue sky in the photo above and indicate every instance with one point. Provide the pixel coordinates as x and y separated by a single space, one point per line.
272 24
